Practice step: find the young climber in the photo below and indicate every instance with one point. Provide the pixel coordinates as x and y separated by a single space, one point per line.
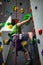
22 43
17 30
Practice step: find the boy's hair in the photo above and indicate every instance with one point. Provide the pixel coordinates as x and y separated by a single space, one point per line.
14 21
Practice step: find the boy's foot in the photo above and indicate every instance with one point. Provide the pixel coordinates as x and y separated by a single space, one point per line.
29 62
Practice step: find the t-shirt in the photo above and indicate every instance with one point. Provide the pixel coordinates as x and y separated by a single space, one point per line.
16 29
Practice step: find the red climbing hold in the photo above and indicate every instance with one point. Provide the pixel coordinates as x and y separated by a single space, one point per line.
32 20
40 32
34 30
30 10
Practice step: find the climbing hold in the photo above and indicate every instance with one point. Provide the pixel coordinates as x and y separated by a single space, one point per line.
0 33
0 43
3 24
40 31
6 41
34 30
42 52
24 43
9 23
22 10
36 7
26 17
1 48
35 40
20 3
30 9
15 8
10 26
38 40
11 13
32 20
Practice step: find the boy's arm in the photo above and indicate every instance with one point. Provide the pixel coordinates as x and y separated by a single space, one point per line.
30 35
23 22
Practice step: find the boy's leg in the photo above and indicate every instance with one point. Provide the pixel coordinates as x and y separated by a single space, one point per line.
27 56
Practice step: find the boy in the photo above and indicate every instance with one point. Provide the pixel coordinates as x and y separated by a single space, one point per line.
17 30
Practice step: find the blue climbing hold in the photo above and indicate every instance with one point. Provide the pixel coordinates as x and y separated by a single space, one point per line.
0 43
11 13
38 40
42 52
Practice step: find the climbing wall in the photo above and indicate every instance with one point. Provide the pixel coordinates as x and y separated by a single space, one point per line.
7 12
37 10
9 9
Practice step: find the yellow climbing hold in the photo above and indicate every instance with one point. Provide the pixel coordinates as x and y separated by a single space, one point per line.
10 26
6 41
15 8
1 48
0 33
22 10
24 43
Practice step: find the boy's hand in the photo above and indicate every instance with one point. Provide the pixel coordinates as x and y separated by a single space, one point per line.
30 35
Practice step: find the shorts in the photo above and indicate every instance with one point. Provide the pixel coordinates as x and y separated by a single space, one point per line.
20 47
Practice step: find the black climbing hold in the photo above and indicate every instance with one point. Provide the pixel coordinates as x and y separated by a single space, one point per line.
36 7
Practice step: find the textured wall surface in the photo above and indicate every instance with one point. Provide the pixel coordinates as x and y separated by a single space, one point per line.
5 11
8 9
38 22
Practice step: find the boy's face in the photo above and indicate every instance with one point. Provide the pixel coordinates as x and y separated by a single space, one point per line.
15 21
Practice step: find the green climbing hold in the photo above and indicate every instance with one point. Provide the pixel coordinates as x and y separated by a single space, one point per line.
35 40
26 17
8 23
3 24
